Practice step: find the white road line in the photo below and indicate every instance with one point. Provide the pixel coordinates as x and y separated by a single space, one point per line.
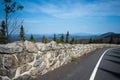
92 77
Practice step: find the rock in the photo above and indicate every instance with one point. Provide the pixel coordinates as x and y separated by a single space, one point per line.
34 72
40 46
11 48
51 45
48 55
40 65
48 46
39 55
4 78
47 59
25 68
37 63
33 58
59 46
56 65
64 58
0 78
3 72
29 57
23 58
47 63
67 46
1 61
24 77
61 51
30 47
11 73
10 61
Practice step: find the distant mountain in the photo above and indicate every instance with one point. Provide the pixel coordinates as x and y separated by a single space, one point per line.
109 34
83 34
78 36
107 37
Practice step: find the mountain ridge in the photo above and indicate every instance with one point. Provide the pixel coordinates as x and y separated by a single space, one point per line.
110 34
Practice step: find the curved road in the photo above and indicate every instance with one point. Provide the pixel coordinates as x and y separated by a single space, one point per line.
102 64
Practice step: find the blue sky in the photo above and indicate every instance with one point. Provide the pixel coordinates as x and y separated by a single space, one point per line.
75 16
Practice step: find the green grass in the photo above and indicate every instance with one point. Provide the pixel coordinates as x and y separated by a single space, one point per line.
73 59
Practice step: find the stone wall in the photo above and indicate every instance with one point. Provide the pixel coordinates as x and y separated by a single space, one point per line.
25 60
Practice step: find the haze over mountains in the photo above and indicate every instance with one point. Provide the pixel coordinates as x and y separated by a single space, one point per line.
77 36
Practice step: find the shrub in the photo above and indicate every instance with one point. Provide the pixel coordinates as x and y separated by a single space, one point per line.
73 58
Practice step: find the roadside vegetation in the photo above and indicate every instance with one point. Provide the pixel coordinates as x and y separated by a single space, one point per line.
73 59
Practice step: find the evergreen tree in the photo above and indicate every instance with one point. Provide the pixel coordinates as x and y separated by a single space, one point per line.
118 40
2 33
3 29
96 40
72 41
54 38
10 7
62 39
67 37
100 40
22 33
111 40
90 40
32 38
44 39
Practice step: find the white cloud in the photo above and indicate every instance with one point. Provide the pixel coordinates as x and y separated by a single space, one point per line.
31 7
71 10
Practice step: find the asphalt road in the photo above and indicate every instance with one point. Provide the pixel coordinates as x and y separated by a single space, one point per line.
109 68
84 67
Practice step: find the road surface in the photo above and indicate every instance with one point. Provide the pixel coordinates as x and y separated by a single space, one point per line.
102 64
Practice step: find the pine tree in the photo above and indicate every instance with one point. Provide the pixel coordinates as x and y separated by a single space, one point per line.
3 29
67 37
118 40
100 40
22 33
111 40
72 41
54 38
2 33
44 39
90 40
62 39
10 7
32 38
